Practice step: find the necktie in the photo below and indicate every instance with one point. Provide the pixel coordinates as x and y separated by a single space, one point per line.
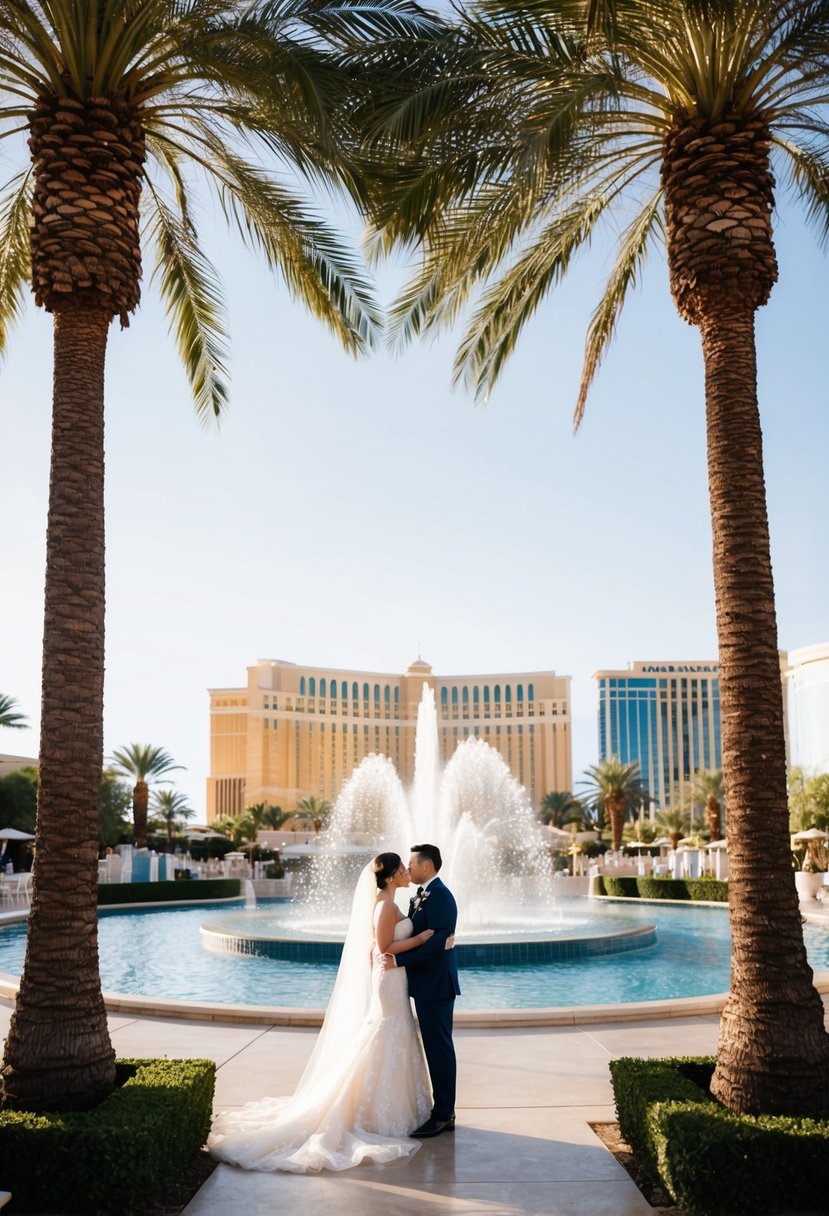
419 892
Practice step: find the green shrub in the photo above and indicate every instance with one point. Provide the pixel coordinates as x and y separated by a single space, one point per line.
158 892
620 886
663 888
711 1162
713 889
118 1158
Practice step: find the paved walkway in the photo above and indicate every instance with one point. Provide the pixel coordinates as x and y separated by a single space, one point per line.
522 1146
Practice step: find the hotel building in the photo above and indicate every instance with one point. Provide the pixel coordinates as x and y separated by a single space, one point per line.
666 716
806 681
297 731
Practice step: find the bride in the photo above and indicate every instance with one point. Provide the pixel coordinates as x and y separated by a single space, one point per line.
365 1086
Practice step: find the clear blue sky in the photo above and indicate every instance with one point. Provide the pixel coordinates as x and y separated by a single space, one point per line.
346 513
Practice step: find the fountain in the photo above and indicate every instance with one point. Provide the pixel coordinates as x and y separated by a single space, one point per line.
496 863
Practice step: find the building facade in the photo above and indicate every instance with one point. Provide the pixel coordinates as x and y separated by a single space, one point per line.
807 701
666 716
297 731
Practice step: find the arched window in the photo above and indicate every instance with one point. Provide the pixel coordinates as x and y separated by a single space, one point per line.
454 696
323 688
387 695
312 687
355 691
497 694
376 694
302 686
508 694
475 696
519 692
397 696
365 692
465 697
486 694
444 696
530 693
344 690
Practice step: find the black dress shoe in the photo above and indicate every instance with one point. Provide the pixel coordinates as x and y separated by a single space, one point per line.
433 1127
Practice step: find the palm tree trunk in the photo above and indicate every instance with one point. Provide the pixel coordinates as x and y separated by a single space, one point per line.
58 1052
773 1053
615 808
140 803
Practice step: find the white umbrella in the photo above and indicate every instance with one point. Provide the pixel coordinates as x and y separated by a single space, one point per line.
809 834
14 834
717 844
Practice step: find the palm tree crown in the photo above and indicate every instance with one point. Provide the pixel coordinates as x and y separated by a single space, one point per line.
617 789
10 714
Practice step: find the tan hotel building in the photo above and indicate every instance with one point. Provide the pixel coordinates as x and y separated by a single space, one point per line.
294 731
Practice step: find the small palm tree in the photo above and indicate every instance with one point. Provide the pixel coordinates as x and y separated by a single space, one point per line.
274 817
9 714
172 809
144 763
708 793
616 788
238 828
560 807
313 810
674 822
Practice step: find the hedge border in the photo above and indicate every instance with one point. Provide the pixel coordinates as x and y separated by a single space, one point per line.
711 1162
117 1158
162 892
711 890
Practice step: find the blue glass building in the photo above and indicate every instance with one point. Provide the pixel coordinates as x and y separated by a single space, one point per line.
666 716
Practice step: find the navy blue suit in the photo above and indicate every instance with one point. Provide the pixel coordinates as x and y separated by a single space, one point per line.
432 972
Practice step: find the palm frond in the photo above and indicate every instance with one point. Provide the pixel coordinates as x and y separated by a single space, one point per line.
315 264
630 259
15 262
809 172
191 293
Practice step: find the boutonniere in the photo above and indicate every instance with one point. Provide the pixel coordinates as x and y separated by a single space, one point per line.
421 899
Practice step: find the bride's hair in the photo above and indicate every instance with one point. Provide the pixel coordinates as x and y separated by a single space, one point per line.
385 865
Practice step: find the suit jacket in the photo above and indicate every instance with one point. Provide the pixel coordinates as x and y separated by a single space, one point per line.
431 969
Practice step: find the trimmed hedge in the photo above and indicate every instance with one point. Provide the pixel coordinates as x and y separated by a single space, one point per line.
711 889
711 1162
118 1158
160 892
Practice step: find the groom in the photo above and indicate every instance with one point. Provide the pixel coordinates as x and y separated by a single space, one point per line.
432 973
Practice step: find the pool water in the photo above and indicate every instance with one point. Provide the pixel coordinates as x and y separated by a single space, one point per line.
159 953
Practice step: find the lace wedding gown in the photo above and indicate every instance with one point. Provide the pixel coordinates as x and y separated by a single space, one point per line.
355 1109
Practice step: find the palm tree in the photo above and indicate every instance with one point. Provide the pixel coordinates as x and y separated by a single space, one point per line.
273 817
126 103
313 810
9 714
674 822
560 807
143 762
708 792
616 788
545 121
173 809
238 828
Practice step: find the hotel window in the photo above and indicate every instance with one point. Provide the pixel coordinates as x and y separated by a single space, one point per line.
519 692
365 692
312 687
302 686
344 690
323 687
376 694
475 695
465 695
355 691
530 692
387 695
454 696
444 696
508 694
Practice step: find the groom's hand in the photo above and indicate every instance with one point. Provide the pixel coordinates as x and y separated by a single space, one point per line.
388 961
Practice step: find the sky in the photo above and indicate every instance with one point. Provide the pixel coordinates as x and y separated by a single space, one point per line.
355 514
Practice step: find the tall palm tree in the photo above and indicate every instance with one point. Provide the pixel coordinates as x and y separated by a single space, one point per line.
543 121
708 792
616 788
173 809
559 807
9 713
144 762
127 104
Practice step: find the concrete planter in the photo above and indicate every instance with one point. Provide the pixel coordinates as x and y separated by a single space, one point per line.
808 884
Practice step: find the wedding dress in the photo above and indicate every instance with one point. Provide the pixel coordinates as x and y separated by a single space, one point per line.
366 1085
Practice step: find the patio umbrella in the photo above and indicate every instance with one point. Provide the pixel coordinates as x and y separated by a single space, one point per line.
14 834
809 834
717 844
